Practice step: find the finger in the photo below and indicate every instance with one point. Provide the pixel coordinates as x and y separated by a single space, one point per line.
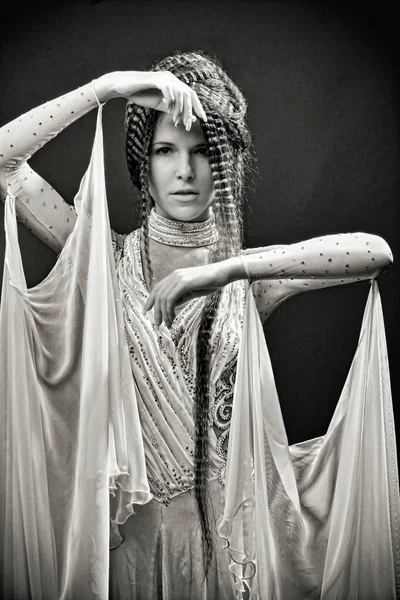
160 292
169 297
178 106
187 112
168 302
158 317
171 108
169 97
198 107
170 307
154 292
149 303
164 311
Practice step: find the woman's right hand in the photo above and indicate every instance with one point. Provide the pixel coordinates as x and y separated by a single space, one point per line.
159 90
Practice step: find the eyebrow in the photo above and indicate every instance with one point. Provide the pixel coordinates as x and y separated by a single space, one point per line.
170 144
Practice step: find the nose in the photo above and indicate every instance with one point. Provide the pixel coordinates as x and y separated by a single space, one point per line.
185 168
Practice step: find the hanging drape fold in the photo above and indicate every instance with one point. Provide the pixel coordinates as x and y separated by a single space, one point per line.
331 530
69 423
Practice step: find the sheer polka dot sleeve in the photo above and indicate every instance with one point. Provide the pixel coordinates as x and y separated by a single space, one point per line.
279 272
38 204
346 255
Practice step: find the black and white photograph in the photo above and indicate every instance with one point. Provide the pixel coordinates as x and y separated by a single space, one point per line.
199 314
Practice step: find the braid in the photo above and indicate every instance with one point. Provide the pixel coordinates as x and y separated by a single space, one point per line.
140 123
228 141
201 418
227 206
146 207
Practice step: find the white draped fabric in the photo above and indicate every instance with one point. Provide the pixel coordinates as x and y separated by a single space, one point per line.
69 423
313 520
318 519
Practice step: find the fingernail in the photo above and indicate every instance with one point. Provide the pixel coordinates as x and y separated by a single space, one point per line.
177 122
188 124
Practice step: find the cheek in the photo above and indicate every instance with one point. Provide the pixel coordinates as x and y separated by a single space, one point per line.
159 171
208 179
204 173
155 177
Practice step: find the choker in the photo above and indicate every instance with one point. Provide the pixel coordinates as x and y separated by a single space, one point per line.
182 233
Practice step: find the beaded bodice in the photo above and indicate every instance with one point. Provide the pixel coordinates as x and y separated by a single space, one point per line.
164 369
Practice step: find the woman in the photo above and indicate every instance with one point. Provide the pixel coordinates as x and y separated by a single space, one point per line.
183 285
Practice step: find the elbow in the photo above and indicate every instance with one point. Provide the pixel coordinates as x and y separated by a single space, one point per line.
384 252
381 252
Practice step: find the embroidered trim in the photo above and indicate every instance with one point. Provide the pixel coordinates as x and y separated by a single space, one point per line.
182 233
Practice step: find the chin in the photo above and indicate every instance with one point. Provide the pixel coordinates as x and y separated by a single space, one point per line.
186 213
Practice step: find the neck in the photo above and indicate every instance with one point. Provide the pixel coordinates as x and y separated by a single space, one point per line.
182 233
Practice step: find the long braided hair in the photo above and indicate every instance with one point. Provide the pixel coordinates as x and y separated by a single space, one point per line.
229 142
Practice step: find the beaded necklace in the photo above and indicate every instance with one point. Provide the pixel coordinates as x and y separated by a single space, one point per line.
182 233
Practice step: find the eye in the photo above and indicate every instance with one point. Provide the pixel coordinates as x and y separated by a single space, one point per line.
203 150
163 150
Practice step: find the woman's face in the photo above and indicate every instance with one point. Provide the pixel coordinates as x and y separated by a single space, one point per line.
178 163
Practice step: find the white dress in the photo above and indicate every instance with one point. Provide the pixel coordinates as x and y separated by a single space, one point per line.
314 520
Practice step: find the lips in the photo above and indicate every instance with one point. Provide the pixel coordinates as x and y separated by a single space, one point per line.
185 193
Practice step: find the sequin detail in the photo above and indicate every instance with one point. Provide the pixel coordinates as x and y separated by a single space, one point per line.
164 369
181 233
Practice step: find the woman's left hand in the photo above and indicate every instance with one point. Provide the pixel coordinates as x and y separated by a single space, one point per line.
185 284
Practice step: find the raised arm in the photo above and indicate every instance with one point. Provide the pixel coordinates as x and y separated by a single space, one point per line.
38 204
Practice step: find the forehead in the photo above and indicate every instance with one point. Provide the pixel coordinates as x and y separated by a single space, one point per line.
166 131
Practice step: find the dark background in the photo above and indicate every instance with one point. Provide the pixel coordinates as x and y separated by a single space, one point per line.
322 85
